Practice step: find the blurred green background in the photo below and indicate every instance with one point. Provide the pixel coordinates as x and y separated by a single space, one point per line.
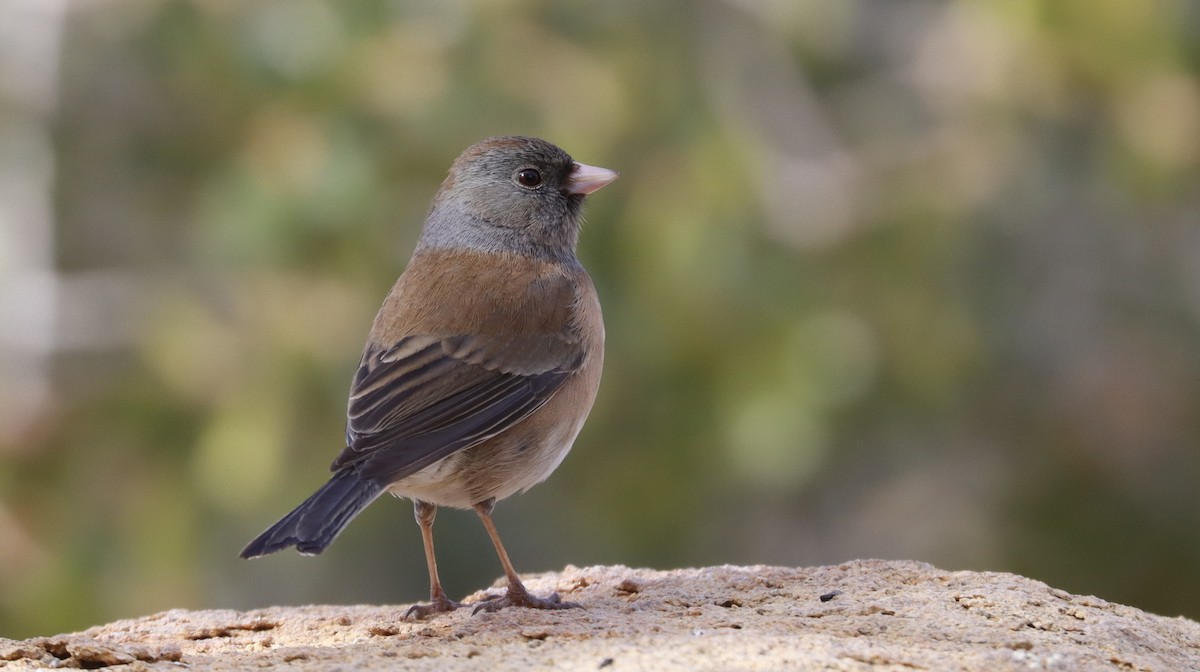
882 279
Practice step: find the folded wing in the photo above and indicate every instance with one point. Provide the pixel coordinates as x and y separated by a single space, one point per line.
427 397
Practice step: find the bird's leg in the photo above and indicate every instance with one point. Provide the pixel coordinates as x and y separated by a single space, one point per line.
516 595
425 513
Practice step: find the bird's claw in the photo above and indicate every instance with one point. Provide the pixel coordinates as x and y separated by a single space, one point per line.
419 612
521 598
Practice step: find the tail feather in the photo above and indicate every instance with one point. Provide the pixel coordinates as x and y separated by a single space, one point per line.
314 524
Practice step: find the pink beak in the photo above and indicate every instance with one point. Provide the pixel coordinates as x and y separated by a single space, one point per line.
585 179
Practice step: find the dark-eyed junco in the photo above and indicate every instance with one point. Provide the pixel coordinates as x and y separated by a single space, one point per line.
481 365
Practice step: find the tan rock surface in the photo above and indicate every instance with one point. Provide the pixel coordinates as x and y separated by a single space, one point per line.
875 615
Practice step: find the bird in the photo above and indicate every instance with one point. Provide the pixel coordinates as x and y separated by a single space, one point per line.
481 365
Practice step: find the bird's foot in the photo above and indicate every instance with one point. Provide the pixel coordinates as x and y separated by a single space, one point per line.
440 604
517 596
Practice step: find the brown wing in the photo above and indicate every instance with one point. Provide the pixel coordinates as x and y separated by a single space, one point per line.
425 398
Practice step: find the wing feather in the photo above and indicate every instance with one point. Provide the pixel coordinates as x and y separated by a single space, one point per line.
425 398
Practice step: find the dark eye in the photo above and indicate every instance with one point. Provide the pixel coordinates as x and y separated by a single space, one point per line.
528 177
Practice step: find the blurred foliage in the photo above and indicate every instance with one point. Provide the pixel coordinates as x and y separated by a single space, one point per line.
881 279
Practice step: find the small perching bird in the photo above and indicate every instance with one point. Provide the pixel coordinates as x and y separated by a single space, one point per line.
482 364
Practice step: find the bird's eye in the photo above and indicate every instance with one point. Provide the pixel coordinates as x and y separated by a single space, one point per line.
528 177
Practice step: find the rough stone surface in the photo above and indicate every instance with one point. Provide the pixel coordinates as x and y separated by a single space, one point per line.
863 615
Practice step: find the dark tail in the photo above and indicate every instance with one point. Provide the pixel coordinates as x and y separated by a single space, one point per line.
314 524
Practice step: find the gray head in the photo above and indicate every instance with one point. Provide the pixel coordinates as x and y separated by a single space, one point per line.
513 194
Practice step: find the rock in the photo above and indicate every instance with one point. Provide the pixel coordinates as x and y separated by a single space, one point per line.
863 615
